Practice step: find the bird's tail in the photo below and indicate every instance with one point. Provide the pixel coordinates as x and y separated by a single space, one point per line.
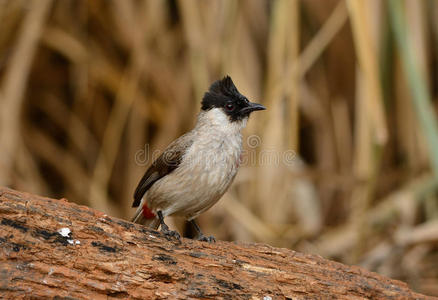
146 218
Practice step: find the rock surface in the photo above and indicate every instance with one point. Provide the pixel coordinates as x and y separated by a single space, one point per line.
54 249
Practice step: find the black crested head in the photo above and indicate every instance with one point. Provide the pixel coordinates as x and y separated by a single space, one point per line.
223 94
219 92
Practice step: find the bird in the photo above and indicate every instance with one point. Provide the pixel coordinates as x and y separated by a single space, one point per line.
196 169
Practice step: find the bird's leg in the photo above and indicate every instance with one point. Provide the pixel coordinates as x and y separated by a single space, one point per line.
201 236
165 229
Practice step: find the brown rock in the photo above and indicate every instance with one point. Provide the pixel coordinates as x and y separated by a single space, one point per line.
54 248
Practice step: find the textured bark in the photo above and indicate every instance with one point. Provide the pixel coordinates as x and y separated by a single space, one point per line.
105 258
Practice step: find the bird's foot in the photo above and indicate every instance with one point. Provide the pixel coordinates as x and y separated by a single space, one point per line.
201 236
170 233
209 239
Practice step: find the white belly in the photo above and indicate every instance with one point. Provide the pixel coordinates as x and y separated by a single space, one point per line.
207 170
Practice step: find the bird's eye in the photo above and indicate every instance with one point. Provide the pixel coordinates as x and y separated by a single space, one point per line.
229 106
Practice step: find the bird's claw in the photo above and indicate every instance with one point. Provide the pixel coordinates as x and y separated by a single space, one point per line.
170 233
209 239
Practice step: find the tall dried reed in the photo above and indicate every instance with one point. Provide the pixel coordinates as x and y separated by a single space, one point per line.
344 162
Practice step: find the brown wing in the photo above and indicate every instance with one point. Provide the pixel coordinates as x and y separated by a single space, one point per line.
168 161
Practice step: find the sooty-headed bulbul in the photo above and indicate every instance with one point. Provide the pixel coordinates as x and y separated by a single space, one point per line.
196 169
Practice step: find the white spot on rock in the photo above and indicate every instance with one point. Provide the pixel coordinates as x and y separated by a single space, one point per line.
74 242
267 298
65 232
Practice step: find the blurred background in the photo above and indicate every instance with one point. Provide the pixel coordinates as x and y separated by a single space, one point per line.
344 163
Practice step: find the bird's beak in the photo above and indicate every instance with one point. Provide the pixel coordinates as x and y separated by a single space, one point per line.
252 107
256 106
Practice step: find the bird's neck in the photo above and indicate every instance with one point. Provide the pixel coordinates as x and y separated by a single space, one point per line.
215 120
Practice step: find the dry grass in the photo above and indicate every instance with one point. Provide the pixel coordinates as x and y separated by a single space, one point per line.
344 162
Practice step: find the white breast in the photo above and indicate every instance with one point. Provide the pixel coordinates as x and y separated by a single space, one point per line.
206 171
